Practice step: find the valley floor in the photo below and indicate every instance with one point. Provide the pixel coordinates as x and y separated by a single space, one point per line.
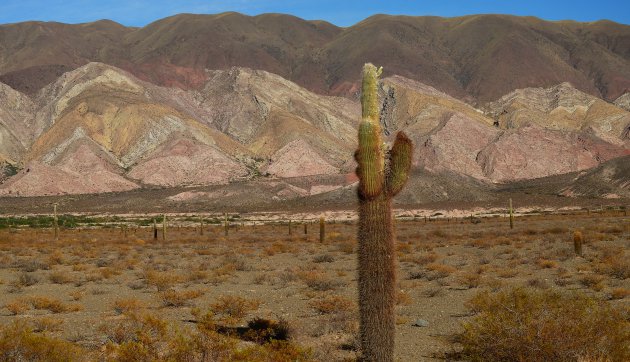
85 286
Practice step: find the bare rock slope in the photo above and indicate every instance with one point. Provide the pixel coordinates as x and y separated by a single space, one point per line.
99 129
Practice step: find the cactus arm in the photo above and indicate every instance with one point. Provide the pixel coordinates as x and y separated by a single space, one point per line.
399 164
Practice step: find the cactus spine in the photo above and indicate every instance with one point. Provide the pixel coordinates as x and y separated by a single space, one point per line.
322 229
381 175
511 216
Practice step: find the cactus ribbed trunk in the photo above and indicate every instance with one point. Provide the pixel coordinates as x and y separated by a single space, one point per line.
382 174
377 279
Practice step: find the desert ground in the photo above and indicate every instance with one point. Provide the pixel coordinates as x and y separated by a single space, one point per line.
110 290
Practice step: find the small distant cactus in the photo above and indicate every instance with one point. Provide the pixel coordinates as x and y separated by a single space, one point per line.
164 227
55 221
226 225
155 232
578 239
382 174
201 225
305 228
511 216
290 231
322 229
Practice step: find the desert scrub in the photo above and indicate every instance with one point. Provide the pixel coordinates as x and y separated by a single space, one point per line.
541 325
231 309
179 298
333 304
18 342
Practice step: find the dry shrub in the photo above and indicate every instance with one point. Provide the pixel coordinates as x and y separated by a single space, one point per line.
53 305
19 343
129 305
438 271
333 304
347 246
319 281
507 273
323 258
593 281
137 337
47 324
161 280
174 298
469 280
279 248
532 325
547 264
18 307
109 271
77 295
56 257
425 258
231 309
261 330
616 265
60 277
619 293
25 280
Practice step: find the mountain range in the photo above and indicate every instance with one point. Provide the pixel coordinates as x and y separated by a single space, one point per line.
229 99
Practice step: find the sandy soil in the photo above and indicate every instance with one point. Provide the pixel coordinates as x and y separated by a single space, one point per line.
442 264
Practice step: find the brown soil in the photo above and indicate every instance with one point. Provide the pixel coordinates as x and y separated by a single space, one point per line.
442 264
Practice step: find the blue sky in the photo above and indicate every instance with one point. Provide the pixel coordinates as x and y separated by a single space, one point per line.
339 12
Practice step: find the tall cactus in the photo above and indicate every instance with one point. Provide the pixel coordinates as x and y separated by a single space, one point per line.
382 174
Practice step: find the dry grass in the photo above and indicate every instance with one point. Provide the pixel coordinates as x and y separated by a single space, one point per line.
529 325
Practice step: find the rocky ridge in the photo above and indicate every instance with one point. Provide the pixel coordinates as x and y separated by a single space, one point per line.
101 129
